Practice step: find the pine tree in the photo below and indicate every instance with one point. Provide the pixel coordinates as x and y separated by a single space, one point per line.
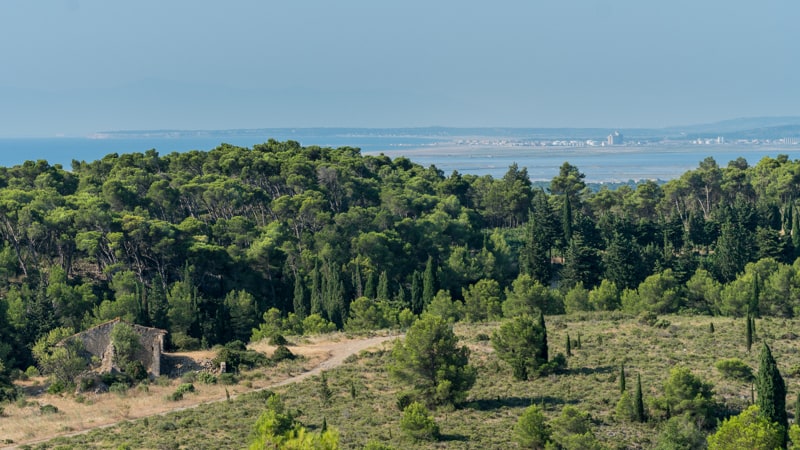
749 334
568 346
622 378
796 233
638 401
771 389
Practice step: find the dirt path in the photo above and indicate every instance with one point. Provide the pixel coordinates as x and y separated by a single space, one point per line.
328 354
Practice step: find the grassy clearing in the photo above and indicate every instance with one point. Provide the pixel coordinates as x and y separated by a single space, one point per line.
362 402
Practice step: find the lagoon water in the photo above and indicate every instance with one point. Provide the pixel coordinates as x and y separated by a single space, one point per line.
600 164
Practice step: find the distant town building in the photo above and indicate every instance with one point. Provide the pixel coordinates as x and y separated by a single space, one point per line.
615 138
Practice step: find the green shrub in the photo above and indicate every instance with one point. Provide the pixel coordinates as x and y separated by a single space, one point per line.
227 379
119 388
403 400
277 339
734 368
281 353
31 372
418 423
180 391
48 409
206 378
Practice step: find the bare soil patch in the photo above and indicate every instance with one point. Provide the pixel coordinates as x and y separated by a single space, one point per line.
25 423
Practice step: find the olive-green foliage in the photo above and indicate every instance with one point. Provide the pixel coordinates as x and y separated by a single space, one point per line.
275 428
235 355
445 307
418 423
532 430
368 314
680 433
520 342
528 296
430 359
734 368
750 430
482 301
572 430
126 344
63 361
685 392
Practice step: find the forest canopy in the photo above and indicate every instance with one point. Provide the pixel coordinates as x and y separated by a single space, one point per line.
210 244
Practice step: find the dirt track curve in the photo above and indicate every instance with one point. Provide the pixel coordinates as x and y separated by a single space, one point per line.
337 353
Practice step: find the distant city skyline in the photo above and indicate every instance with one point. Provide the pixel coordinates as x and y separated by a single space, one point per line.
76 67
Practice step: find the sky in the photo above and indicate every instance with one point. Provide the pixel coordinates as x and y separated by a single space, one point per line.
76 67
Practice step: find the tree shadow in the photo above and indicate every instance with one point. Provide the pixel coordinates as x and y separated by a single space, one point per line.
453 438
589 370
515 402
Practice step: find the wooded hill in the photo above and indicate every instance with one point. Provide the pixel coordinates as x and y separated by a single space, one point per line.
209 245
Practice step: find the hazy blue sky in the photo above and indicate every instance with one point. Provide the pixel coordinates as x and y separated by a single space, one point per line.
80 66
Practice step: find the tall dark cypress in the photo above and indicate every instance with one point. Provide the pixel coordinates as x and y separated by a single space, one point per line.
638 401
417 303
316 290
299 299
567 220
771 389
542 353
568 346
749 333
622 378
428 282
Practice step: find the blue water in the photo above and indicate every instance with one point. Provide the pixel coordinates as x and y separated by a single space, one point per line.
598 163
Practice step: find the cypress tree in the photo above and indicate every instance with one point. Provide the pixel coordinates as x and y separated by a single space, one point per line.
316 290
567 220
771 389
797 409
542 353
578 344
753 307
796 233
359 288
638 401
711 327
753 327
370 291
622 378
383 287
299 299
568 346
749 334
416 292
428 282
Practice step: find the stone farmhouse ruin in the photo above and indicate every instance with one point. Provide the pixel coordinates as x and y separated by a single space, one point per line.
97 343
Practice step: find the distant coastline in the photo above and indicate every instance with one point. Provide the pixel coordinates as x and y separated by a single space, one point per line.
642 153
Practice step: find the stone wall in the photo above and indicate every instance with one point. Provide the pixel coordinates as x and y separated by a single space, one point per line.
97 342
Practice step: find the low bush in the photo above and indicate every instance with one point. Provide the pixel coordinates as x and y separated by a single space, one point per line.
281 353
734 368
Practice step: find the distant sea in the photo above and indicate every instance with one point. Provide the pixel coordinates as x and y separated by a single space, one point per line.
600 164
